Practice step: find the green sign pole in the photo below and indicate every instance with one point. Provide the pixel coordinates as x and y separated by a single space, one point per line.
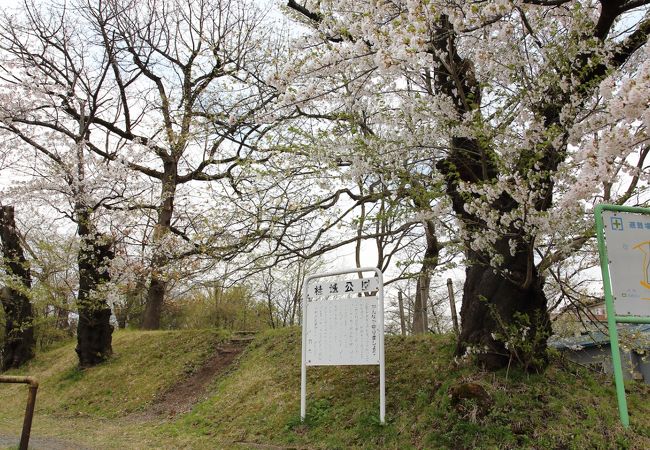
612 318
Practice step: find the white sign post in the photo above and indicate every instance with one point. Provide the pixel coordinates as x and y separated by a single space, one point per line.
343 324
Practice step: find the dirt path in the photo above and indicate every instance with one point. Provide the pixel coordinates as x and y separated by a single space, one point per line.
178 399
181 397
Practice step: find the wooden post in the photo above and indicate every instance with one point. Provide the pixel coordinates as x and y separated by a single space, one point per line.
402 320
452 305
424 296
29 410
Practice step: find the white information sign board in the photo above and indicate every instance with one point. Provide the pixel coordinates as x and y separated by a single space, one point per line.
628 248
343 324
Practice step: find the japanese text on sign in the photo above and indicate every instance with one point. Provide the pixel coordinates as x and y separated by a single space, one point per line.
628 248
342 322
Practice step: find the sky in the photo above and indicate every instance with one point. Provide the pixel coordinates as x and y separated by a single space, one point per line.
9 3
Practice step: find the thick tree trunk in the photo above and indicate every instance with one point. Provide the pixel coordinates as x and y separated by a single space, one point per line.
498 310
94 331
19 340
158 284
504 320
503 316
154 305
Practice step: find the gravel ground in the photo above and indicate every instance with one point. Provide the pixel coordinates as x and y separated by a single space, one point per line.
40 443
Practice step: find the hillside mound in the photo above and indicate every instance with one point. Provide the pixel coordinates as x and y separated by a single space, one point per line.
433 400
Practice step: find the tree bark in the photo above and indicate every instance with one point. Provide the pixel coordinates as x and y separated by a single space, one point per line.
158 282
155 300
452 306
497 310
297 295
62 319
19 340
94 331
420 317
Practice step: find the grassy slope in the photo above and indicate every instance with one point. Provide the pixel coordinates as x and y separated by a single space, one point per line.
92 406
259 401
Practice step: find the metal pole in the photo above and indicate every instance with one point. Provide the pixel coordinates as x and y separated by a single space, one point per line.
618 368
382 362
303 365
29 409
452 305
632 319
611 320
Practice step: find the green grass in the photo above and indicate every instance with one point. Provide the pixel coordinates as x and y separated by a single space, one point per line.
258 401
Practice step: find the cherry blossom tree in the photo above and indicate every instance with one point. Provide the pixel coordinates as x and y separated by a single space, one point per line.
167 89
65 181
18 339
61 171
529 111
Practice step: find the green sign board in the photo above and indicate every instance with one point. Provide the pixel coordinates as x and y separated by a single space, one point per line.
623 234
